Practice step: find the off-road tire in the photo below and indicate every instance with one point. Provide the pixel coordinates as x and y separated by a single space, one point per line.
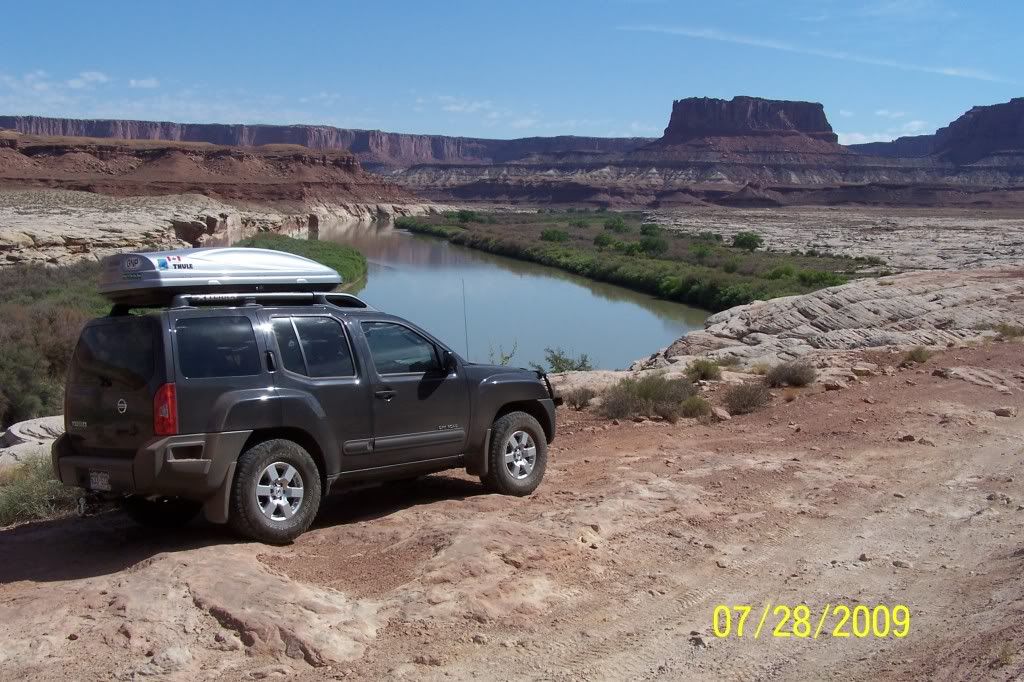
161 512
498 477
247 518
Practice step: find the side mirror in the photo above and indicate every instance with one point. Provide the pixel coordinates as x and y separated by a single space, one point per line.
448 361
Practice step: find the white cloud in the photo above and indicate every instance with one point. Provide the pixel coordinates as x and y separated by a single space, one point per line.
887 113
524 123
845 112
149 82
459 105
87 79
769 44
914 127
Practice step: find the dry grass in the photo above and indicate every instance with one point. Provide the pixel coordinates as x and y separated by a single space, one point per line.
579 398
694 407
794 373
29 493
760 368
917 355
1009 331
747 397
651 395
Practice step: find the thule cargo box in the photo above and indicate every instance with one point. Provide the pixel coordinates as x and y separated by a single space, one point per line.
154 278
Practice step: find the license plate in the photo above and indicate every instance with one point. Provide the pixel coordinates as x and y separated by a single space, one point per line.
99 480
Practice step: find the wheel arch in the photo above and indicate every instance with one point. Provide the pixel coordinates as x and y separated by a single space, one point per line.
532 408
296 435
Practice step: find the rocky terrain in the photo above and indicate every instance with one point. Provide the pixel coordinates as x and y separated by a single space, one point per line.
903 239
746 151
63 199
899 489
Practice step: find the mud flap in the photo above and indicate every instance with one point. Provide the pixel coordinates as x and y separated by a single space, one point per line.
476 464
215 508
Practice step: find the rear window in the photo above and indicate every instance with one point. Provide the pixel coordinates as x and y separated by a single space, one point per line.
121 354
217 347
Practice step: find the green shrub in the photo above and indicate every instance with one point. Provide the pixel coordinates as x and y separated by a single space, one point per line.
703 369
29 493
467 216
793 373
579 223
917 355
751 241
731 265
560 360
579 398
616 224
604 240
818 278
746 397
646 396
701 252
781 271
349 263
694 407
708 236
650 230
654 246
554 235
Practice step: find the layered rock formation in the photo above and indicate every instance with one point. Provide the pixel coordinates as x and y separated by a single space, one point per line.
376 149
697 117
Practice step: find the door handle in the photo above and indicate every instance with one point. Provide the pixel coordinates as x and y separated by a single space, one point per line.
385 394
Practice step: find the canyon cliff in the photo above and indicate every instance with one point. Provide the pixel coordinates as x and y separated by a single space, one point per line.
698 117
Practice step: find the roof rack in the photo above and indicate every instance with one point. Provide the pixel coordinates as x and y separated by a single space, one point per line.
336 299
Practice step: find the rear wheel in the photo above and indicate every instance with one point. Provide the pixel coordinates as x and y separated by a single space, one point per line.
518 455
276 492
161 512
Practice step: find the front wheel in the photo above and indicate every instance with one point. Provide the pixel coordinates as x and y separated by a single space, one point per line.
276 492
518 455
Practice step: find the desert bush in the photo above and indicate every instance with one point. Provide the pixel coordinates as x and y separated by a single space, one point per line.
616 224
554 235
819 278
731 265
781 271
760 368
728 361
646 396
29 492
794 373
650 230
917 355
746 397
579 223
349 263
579 398
1009 331
560 360
703 369
694 406
654 245
709 236
701 252
751 241
604 240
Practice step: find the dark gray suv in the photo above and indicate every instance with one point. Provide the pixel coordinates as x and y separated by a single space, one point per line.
251 407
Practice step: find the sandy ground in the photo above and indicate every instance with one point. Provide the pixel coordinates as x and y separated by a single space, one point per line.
610 571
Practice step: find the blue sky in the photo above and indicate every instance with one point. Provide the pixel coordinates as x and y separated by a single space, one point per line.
605 67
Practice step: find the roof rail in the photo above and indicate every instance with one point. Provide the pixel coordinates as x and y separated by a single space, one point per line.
338 300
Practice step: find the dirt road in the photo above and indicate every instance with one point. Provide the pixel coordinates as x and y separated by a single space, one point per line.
610 571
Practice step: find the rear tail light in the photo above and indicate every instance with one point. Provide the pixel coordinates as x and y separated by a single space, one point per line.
165 411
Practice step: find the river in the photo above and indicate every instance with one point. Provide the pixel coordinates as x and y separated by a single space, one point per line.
508 303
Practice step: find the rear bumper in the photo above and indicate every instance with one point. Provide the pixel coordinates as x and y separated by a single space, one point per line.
191 466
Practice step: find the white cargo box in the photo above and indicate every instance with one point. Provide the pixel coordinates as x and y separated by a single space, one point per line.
154 278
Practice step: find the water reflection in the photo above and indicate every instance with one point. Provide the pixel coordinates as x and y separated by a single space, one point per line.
507 302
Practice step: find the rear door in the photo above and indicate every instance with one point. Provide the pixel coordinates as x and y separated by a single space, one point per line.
115 371
420 411
221 378
314 356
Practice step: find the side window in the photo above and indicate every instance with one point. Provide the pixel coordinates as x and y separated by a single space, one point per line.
288 343
324 346
397 349
217 347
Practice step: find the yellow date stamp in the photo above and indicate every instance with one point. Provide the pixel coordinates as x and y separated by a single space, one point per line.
801 622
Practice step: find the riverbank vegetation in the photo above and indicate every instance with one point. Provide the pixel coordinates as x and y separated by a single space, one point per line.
700 269
44 308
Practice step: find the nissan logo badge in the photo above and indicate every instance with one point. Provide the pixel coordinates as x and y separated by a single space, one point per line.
122 406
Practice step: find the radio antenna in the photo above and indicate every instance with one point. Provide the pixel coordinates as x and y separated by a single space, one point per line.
465 316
